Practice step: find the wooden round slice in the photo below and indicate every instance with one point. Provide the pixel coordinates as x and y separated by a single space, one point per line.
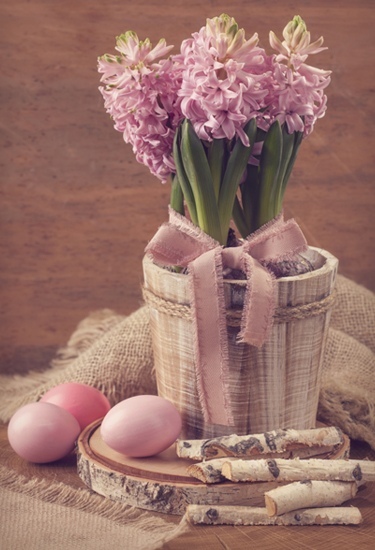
159 483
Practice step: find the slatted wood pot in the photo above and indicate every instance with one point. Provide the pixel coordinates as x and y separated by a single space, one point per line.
275 386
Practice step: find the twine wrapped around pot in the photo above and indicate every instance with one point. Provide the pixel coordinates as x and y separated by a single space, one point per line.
274 386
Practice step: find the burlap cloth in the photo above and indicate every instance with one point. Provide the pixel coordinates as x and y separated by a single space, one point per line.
41 514
114 353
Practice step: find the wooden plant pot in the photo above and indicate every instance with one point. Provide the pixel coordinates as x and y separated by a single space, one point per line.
275 386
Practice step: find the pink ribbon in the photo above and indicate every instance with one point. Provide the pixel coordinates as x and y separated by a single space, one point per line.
179 242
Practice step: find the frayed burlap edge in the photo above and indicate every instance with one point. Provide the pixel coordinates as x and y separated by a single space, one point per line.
159 531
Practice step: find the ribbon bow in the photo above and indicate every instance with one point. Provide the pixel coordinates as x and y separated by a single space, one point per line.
180 242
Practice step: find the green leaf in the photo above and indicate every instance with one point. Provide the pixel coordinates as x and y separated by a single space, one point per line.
183 179
198 172
177 197
236 167
268 173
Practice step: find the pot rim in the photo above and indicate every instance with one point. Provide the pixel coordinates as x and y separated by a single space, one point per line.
324 260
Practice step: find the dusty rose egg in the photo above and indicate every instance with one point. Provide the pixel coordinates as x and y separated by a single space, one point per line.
42 432
84 402
143 425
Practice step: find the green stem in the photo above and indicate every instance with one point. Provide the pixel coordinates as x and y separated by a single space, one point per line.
198 173
183 179
216 154
234 172
298 136
268 173
287 151
249 196
239 219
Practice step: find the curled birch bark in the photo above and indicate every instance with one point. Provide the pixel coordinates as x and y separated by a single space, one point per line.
299 470
308 494
245 515
281 443
208 471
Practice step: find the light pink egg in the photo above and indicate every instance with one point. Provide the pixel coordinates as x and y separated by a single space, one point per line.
42 432
141 426
84 402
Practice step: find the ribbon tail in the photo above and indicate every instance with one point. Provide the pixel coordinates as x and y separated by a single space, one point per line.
210 338
259 306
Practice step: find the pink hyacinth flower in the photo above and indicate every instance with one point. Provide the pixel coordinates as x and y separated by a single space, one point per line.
140 94
225 79
298 98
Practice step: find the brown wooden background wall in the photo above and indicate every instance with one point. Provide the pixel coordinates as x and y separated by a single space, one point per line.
76 208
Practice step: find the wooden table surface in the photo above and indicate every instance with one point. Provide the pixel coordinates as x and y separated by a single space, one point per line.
77 210
331 537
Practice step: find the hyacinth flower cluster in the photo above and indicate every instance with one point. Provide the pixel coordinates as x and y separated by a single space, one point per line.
222 118
140 95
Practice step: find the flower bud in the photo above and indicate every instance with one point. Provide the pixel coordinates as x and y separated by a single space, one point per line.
296 40
296 33
224 24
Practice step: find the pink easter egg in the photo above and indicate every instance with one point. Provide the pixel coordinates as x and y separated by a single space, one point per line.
84 402
140 426
42 432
